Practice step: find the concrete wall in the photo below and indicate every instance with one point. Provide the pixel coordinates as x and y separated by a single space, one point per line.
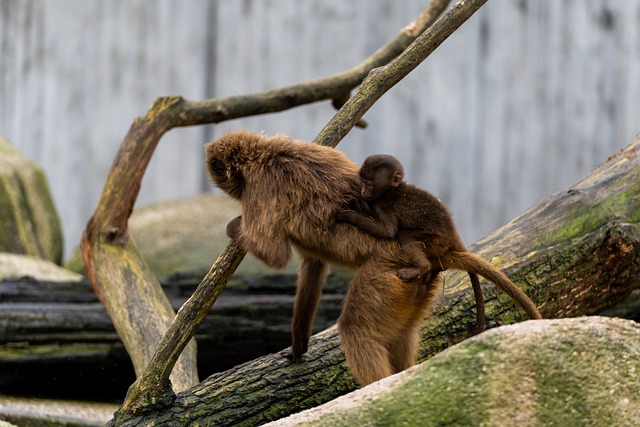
523 100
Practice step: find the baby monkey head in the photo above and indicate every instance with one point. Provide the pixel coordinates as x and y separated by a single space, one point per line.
379 174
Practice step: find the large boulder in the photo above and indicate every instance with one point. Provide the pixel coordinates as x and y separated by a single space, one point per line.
184 235
29 223
567 372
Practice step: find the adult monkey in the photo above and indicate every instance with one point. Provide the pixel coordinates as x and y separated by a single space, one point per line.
291 193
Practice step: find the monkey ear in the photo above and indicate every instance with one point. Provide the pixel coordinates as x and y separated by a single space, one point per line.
396 178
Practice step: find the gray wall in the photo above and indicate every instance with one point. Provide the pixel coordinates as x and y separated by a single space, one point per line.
525 99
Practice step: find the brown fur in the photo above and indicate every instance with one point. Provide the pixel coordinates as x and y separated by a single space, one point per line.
291 193
425 228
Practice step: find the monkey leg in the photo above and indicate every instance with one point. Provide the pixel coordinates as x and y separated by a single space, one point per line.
403 352
367 358
311 276
421 268
379 322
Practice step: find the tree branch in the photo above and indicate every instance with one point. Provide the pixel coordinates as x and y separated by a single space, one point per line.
129 291
576 253
381 79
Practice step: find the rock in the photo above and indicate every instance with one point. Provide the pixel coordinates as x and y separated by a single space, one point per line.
580 371
184 235
29 223
42 412
14 266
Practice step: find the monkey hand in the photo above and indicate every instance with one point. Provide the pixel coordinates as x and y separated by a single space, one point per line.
347 215
233 228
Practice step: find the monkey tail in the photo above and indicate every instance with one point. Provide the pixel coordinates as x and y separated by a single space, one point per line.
473 264
481 320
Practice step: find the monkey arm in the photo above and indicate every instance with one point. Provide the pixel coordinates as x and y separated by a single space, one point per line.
311 276
233 228
385 227
269 247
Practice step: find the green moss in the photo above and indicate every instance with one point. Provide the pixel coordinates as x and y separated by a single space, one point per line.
583 219
432 398
30 224
159 104
9 238
50 215
571 372
563 371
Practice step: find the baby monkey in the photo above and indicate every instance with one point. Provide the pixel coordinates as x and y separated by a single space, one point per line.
425 229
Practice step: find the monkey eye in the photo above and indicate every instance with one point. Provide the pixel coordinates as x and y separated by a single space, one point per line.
218 167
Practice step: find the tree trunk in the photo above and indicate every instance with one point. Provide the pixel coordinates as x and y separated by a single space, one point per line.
575 253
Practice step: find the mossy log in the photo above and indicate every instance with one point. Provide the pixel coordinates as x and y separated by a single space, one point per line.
575 253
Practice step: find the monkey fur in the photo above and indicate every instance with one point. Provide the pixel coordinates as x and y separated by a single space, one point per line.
425 229
290 193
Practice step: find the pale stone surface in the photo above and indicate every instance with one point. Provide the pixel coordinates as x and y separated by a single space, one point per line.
580 371
54 412
14 266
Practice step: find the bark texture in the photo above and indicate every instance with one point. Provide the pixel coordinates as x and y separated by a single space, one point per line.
575 253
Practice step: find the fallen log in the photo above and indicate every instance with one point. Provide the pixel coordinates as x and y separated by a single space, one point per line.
575 253
56 339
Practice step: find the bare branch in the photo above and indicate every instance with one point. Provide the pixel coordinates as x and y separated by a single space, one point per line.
380 80
106 236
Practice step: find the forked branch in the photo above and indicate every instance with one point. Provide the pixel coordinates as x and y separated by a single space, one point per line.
377 84
131 294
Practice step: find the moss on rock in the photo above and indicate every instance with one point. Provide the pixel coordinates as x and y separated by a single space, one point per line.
567 372
29 223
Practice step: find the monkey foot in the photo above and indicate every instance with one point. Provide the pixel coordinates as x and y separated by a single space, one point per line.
413 274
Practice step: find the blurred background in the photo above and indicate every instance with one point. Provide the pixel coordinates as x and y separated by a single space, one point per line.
526 98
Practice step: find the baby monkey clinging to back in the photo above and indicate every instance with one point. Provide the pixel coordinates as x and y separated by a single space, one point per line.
424 227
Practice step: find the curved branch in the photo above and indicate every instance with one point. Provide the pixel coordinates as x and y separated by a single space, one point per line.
403 65
114 266
330 87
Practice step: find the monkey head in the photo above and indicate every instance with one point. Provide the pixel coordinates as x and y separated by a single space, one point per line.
379 174
228 157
